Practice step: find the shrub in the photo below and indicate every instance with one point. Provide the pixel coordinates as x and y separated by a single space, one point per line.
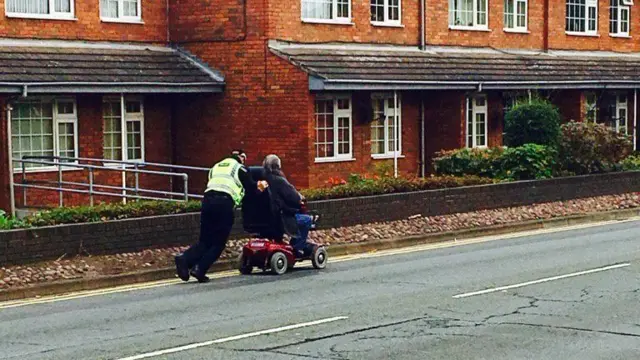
104 212
537 122
368 187
8 223
587 148
631 163
461 162
528 162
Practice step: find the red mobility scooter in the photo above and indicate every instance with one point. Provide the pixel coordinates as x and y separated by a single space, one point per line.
269 251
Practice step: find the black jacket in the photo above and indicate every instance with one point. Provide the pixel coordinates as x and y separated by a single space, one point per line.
285 201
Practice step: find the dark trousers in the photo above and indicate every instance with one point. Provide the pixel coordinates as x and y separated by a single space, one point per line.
216 220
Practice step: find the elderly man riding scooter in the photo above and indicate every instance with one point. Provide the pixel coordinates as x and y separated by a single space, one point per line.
287 203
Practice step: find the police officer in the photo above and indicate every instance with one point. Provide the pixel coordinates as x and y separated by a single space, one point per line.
228 180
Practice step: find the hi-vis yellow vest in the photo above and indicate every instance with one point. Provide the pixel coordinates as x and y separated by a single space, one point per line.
223 177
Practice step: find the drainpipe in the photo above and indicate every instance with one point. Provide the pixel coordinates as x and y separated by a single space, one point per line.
396 135
422 25
422 142
10 162
635 117
545 39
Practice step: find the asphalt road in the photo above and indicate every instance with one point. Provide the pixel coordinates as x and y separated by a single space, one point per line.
415 305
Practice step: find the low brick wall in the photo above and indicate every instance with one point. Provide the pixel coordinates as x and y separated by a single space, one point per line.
24 246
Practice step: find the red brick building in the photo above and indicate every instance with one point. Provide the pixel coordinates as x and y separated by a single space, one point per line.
316 81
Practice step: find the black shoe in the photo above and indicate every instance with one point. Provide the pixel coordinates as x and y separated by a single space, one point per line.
202 278
182 268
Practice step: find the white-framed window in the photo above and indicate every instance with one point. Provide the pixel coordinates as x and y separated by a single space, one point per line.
47 9
44 127
332 11
385 12
120 113
121 10
477 121
619 18
515 15
468 14
621 110
333 125
582 17
383 130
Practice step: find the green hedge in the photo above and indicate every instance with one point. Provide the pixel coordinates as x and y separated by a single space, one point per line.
535 122
525 162
357 186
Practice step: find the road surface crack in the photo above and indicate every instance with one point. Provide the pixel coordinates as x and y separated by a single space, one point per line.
570 328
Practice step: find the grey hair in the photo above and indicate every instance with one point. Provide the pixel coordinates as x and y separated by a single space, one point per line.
272 163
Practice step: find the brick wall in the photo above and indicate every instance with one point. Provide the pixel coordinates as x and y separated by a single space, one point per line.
558 39
363 161
444 122
211 20
88 26
285 24
438 32
24 246
158 148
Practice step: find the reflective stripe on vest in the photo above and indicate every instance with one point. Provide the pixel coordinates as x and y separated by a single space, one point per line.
223 177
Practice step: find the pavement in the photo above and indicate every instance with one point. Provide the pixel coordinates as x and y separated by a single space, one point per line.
550 294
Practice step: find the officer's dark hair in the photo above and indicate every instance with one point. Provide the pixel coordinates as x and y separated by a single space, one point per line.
236 153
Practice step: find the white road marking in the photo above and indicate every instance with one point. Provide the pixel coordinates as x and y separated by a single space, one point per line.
559 277
373 254
233 338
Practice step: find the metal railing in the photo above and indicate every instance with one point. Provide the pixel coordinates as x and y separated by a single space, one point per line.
60 164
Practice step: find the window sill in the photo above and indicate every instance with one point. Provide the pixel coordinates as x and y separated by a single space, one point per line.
42 17
334 160
514 31
328 22
572 33
620 36
469 28
122 21
387 24
386 157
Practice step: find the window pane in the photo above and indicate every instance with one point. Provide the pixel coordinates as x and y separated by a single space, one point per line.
461 12
32 130
65 108
394 10
508 13
343 8
343 135
112 144
482 13
109 8
130 8
324 128
63 6
28 6
317 9
377 10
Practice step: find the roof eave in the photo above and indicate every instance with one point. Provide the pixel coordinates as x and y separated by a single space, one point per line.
111 88
319 84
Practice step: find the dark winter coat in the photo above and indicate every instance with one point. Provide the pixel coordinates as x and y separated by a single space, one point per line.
286 201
